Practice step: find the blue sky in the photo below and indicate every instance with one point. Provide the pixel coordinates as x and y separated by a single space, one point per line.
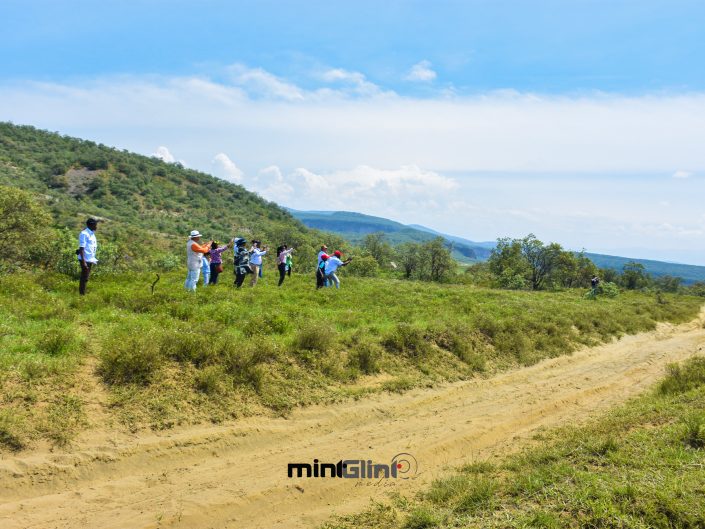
582 121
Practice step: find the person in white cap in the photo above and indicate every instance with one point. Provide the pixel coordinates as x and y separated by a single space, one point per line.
194 251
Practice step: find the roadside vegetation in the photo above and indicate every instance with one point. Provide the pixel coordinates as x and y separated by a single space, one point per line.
640 466
168 358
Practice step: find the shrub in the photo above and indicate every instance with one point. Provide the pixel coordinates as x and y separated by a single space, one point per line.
694 434
11 431
56 342
209 380
315 337
407 340
477 497
130 358
365 357
421 518
682 378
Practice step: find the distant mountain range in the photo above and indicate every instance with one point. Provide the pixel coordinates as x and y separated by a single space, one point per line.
354 227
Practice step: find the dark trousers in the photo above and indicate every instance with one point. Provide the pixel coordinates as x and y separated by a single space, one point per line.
214 274
239 279
85 274
288 271
282 272
320 278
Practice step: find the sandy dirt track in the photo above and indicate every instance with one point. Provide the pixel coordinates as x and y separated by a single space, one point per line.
235 475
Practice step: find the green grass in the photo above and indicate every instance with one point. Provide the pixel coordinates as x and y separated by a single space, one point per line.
178 358
640 466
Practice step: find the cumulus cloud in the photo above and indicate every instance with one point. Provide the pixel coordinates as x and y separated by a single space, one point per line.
226 169
421 71
365 188
409 155
356 80
163 154
264 84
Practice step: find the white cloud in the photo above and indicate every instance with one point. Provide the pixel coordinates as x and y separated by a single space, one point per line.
421 71
226 169
374 190
264 84
356 80
163 154
489 154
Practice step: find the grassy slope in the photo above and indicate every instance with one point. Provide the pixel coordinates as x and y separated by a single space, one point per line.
640 466
177 358
145 200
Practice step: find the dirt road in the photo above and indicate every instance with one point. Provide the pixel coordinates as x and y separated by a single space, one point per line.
236 475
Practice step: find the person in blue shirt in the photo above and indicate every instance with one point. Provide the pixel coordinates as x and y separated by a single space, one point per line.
206 268
87 249
332 265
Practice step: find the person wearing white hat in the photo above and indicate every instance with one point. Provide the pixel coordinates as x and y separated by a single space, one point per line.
194 251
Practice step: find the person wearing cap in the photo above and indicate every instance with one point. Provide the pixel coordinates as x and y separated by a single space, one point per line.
87 248
321 271
241 261
324 251
332 265
194 254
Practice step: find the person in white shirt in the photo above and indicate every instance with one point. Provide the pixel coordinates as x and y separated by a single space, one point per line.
194 253
332 265
87 249
256 261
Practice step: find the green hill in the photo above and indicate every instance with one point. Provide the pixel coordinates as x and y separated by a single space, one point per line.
143 200
354 227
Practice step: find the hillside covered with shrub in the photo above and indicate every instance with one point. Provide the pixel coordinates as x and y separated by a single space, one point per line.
148 206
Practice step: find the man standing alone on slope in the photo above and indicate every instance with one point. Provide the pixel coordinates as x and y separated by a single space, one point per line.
194 251
87 248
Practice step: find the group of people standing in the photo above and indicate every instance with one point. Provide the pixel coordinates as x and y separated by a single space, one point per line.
207 260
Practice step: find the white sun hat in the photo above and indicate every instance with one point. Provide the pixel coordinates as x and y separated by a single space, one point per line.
195 233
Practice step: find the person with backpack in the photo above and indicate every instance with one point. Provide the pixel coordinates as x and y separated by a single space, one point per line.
217 261
321 270
283 253
241 261
332 265
194 253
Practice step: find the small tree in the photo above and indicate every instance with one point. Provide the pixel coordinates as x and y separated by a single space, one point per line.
376 245
437 263
634 276
409 257
25 229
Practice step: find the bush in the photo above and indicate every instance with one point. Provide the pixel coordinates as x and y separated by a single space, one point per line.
209 380
682 378
365 357
407 340
694 434
315 337
130 358
363 266
11 431
56 342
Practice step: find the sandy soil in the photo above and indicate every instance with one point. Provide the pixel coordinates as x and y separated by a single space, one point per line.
235 475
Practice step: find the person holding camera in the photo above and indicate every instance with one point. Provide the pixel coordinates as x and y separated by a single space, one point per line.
241 261
216 261
256 255
332 264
